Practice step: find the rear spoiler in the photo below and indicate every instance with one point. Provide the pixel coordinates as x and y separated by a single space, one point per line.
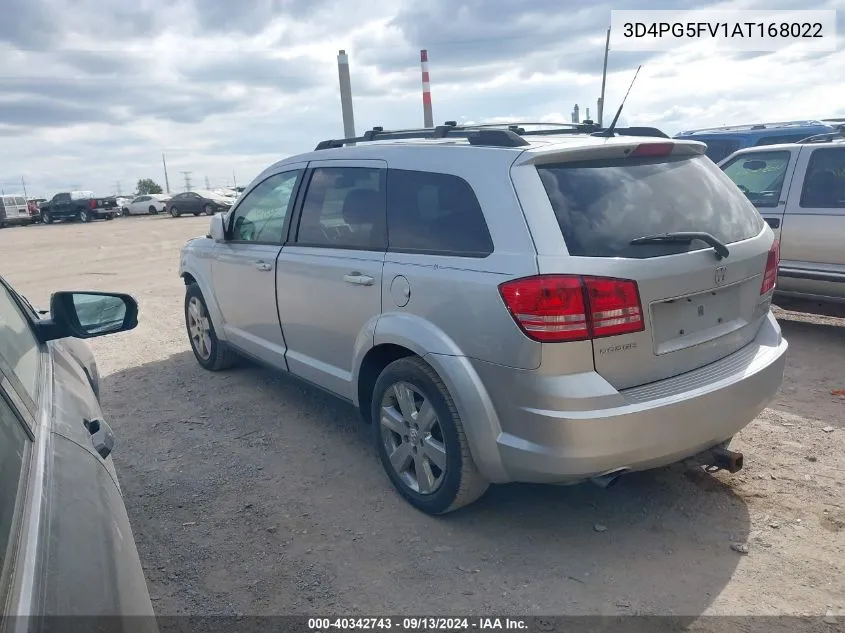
615 148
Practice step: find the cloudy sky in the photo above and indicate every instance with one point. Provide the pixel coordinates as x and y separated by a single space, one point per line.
92 92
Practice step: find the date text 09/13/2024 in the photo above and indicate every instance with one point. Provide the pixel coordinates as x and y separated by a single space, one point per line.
418 624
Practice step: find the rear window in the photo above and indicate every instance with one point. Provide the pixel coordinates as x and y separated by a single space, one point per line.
602 205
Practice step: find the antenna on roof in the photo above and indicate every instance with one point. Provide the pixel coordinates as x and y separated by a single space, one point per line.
609 131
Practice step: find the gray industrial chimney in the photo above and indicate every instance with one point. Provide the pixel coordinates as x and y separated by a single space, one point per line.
575 118
345 94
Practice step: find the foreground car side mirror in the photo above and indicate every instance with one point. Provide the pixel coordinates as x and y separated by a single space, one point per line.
88 314
217 232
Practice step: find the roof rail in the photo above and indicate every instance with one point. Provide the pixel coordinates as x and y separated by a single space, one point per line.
825 138
756 126
508 134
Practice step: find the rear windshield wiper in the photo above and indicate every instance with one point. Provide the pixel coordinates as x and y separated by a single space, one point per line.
685 237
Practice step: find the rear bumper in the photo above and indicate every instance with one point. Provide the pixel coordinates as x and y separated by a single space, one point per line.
104 212
640 428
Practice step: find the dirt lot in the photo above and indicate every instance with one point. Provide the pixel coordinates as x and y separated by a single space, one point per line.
249 493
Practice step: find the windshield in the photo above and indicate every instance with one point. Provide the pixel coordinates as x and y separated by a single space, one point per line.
759 176
602 205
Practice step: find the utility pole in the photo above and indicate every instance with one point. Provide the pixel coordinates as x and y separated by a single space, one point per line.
234 178
166 181
345 94
187 175
23 184
603 79
207 184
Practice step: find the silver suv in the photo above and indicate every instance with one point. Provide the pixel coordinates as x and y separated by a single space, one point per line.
502 304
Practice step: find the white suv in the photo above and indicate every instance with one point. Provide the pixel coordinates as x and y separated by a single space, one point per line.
502 304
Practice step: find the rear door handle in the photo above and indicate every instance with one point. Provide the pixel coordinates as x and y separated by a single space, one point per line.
773 222
263 266
358 279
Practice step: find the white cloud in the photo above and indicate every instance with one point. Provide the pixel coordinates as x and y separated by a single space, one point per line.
225 89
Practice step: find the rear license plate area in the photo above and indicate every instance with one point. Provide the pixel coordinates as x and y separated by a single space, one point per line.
685 321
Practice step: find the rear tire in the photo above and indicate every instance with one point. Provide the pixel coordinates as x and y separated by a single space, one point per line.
84 216
457 484
110 216
152 210
211 353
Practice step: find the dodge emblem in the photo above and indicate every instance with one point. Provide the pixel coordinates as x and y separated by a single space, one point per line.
720 275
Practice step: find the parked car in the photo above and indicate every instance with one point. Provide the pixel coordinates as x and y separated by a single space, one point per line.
66 545
148 204
502 307
723 141
197 202
799 189
78 205
33 207
13 210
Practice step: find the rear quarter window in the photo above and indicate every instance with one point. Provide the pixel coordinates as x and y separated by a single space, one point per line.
434 213
601 206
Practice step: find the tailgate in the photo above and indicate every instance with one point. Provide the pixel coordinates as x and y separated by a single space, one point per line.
105 203
695 307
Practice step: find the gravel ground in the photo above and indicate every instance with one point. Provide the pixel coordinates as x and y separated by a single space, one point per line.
250 493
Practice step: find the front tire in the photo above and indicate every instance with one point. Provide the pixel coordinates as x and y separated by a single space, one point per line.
175 212
208 210
46 218
124 212
211 353
420 439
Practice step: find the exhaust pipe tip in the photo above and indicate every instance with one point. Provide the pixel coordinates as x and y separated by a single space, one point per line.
608 480
726 459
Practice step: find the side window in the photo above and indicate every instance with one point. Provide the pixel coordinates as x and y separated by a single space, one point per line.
435 213
13 444
260 217
759 176
18 345
824 182
344 208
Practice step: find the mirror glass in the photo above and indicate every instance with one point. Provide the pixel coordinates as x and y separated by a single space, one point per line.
99 314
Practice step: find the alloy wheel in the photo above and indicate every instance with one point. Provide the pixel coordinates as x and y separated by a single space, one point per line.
412 438
199 328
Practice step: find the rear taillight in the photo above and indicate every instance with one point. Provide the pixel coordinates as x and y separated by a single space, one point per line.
92 204
771 275
557 308
653 149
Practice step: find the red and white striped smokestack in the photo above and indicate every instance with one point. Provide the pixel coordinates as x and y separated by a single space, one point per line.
428 117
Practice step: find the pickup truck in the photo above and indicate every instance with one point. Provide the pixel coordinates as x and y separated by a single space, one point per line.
799 189
78 205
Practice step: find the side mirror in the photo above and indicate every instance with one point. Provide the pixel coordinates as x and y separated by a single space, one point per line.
217 232
88 314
